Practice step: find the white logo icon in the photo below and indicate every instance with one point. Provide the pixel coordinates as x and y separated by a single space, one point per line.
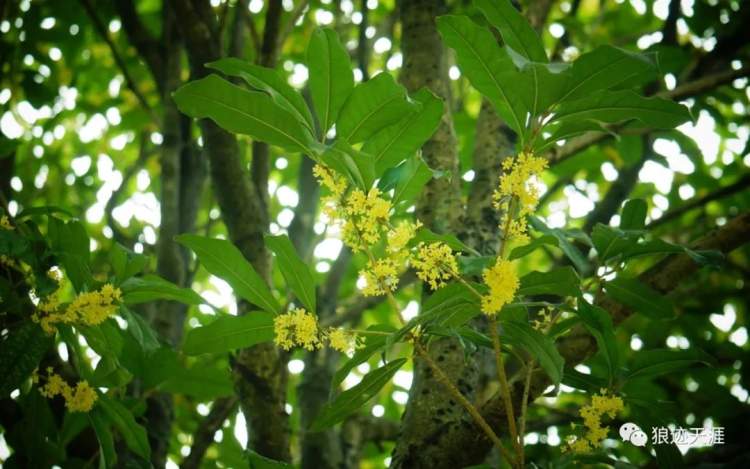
633 433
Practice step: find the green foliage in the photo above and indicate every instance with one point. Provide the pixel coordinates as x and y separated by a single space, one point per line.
229 333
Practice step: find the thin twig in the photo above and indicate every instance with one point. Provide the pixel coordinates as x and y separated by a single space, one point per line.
298 11
102 30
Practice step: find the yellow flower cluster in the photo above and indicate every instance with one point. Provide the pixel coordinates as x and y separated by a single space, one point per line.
5 223
80 398
89 308
381 277
300 327
342 340
435 263
334 183
502 281
519 183
297 327
601 404
366 216
399 237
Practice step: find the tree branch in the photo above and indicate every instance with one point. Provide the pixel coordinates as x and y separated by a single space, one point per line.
103 32
221 409
684 91
742 184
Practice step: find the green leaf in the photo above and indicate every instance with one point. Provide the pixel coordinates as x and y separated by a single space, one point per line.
610 242
374 343
258 461
521 251
641 298
22 349
548 84
223 259
578 380
203 381
106 339
242 111
425 235
488 67
122 419
331 80
413 175
562 281
604 68
402 139
141 331
353 399
269 81
599 324
126 263
229 333
634 215
138 290
621 106
373 105
107 454
297 274
451 306
658 362
538 345
71 245
516 31
350 163
580 262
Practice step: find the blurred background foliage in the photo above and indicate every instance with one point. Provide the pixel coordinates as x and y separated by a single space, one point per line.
81 130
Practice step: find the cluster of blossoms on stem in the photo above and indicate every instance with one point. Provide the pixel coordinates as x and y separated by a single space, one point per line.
89 308
518 193
435 264
300 328
601 404
78 398
364 219
503 283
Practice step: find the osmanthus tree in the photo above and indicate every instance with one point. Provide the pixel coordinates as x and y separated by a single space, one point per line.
460 321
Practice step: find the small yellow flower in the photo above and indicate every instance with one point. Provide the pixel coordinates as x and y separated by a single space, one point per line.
380 277
89 308
519 181
341 340
601 404
80 398
297 327
5 223
332 181
366 215
435 263
502 281
399 237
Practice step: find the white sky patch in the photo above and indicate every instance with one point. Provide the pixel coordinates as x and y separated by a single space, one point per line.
378 410
609 171
329 248
400 397
403 379
411 311
724 322
657 174
10 126
686 191
578 204
298 78
739 337
285 217
296 366
382 44
395 61
704 134
323 17
454 72
287 196
93 129
240 429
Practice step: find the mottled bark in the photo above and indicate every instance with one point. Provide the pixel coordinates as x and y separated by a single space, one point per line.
259 372
431 412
